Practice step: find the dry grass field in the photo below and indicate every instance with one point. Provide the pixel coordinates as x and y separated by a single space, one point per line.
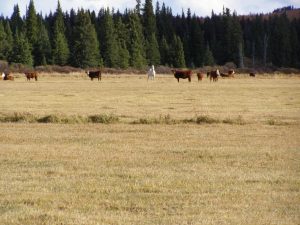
176 153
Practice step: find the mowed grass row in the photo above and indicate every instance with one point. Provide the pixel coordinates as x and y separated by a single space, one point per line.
141 171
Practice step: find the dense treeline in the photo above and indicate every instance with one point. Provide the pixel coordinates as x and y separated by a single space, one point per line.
147 35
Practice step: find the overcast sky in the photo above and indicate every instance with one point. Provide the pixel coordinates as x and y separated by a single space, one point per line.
200 7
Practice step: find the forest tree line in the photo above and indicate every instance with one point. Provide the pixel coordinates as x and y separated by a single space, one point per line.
147 35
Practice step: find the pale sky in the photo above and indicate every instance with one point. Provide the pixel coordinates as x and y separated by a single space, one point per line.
199 7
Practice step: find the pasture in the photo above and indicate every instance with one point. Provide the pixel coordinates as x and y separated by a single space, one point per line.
177 153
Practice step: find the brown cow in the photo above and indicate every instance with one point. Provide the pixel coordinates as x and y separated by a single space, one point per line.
94 74
200 76
213 75
7 76
252 74
229 74
183 74
31 75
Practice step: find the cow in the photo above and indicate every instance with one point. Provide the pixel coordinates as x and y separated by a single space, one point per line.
94 74
200 76
31 75
183 74
7 76
231 73
224 75
252 74
213 75
151 73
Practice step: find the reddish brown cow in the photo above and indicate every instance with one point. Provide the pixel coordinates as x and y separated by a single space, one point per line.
31 75
94 74
200 76
252 74
183 74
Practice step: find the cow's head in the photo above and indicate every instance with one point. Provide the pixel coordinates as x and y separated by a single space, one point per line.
87 72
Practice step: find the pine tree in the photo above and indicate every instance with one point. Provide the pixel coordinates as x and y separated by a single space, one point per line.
61 50
21 52
110 47
208 57
177 53
123 56
197 43
295 46
3 41
152 49
31 24
16 20
85 51
9 39
42 48
164 52
136 46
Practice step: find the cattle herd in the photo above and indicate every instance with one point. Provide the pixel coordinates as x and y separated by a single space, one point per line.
213 75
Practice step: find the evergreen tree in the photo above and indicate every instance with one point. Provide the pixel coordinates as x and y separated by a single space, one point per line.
16 20
177 53
152 49
31 24
123 56
136 46
208 57
110 47
85 51
164 52
21 52
3 41
295 46
153 54
42 48
280 47
9 39
61 50
197 43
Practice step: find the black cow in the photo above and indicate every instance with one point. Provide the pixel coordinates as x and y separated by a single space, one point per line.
94 74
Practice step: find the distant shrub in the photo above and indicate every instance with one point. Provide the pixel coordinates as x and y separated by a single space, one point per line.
18 117
160 120
103 118
239 120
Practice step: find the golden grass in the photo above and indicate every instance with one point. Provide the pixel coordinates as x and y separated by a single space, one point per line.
243 168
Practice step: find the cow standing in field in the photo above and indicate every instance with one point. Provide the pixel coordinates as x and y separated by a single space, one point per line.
252 74
213 75
94 74
200 76
151 73
31 75
183 74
